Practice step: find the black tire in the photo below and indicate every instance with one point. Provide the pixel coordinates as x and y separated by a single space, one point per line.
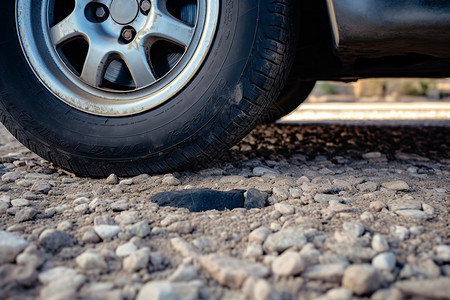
290 98
245 70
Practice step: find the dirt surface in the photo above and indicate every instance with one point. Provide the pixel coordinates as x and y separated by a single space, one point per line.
326 212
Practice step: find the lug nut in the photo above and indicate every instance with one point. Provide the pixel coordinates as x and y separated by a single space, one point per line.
145 6
101 13
128 34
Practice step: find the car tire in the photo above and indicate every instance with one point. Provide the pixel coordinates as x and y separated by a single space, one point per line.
59 106
290 98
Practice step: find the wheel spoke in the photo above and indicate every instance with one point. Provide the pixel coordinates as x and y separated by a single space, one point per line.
169 28
94 66
66 29
139 68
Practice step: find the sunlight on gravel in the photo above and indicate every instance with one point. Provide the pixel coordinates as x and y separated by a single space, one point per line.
321 211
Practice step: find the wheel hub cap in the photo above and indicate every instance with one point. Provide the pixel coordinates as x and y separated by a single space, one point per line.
124 11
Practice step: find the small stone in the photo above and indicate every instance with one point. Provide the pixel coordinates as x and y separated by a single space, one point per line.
443 253
263 290
285 209
120 205
65 225
141 229
10 246
281 193
427 289
377 205
127 217
91 260
183 273
126 182
25 214
354 228
29 196
182 227
10 177
107 231
31 257
254 250
371 155
112 179
367 217
368 187
20 202
326 198
288 264
380 243
14 275
404 204
171 180
137 260
284 239
428 209
255 199
90 237
184 248
361 279
50 212
387 294
41 188
397 185
339 294
400 232
60 283
261 171
229 271
3 207
82 208
166 290
416 215
326 272
384 261
259 235
126 249
53 240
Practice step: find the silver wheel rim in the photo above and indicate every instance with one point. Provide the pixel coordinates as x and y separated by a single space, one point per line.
86 62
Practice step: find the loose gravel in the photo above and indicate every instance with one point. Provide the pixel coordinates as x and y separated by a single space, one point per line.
310 212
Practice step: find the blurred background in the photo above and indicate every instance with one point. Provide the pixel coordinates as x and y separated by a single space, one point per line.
376 99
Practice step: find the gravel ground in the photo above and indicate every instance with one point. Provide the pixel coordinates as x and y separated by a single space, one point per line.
311 212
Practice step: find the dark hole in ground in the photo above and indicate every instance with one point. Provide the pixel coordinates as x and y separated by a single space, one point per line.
198 200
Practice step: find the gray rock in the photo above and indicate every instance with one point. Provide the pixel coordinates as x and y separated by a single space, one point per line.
428 289
64 225
263 290
166 290
53 240
380 243
254 250
288 264
396 185
284 209
184 248
361 279
354 228
112 179
443 253
20 202
106 232
184 273
41 188
25 214
284 239
3 207
387 294
326 198
384 261
416 215
326 272
367 187
10 246
120 205
259 235
126 249
261 171
428 209
90 237
339 294
404 204
10 177
60 283
255 199
14 275
31 257
91 260
127 217
281 193
141 229
82 208
229 271
171 180
377 205
137 260
182 227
